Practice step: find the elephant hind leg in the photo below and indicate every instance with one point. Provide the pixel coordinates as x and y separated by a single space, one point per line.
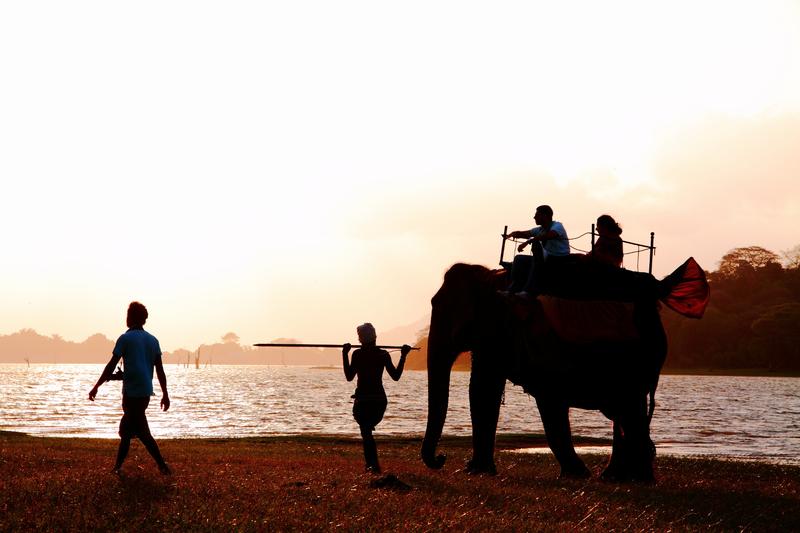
555 419
633 452
643 456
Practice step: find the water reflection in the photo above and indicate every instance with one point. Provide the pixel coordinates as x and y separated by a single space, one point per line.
744 417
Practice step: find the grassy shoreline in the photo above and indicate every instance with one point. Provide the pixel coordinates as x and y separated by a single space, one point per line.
317 483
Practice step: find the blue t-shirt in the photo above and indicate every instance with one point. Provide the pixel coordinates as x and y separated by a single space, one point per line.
139 351
556 247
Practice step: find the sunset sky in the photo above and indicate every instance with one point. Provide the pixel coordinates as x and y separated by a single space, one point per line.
292 169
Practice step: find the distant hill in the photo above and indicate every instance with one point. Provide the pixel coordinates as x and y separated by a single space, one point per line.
29 345
408 334
418 360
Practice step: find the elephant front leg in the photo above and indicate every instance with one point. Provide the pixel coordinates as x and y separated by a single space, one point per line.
555 419
485 394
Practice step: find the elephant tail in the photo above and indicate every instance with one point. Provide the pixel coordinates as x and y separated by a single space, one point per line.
650 410
686 290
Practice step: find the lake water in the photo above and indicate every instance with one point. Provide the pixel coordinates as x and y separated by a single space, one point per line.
749 418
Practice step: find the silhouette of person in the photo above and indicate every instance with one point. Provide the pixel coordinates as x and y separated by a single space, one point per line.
140 353
550 245
370 402
608 247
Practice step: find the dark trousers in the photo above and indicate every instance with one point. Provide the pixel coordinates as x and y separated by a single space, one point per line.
524 275
530 273
134 424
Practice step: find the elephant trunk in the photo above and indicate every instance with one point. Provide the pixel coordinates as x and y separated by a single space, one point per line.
440 362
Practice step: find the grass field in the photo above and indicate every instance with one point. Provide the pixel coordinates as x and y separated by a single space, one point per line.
318 483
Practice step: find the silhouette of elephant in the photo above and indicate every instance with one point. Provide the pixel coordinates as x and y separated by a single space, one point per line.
519 341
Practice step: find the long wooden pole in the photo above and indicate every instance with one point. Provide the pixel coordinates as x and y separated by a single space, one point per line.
300 345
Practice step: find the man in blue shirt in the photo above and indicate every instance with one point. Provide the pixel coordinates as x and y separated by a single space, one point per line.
140 354
550 245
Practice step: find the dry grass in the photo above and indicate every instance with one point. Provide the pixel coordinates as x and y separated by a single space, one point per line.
318 483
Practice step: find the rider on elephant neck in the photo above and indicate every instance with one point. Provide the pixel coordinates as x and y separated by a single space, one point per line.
550 243
550 233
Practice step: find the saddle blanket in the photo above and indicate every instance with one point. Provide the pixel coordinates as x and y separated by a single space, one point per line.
588 321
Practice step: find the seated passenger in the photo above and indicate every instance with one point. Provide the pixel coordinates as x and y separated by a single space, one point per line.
608 247
550 245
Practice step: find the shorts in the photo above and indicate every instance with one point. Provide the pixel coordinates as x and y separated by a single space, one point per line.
368 410
134 422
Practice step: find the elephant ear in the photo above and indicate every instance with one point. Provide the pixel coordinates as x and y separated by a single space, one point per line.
686 290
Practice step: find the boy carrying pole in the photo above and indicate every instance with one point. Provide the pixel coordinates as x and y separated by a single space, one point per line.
368 364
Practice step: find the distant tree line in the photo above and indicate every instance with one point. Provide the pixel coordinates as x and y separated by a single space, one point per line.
26 345
752 322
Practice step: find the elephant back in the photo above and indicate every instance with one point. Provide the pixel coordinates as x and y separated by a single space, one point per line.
685 290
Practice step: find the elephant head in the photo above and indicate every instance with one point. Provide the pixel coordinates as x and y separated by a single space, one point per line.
458 324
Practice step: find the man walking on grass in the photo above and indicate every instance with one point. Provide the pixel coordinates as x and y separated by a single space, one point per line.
140 353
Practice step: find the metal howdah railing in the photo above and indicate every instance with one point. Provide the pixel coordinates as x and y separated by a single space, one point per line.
629 248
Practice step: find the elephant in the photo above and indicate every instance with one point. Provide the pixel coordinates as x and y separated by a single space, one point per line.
516 341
